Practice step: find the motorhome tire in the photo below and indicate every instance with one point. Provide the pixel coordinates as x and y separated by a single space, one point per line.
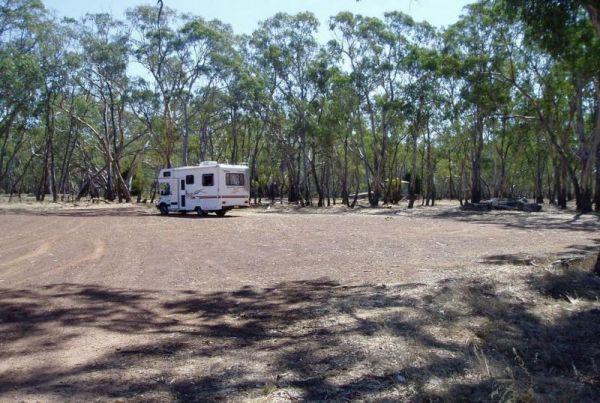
200 212
164 210
221 213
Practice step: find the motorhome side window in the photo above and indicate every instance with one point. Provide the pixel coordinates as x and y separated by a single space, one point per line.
208 180
189 179
165 189
234 179
166 174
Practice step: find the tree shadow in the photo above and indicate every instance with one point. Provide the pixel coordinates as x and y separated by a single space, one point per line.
573 255
83 212
517 259
105 212
523 220
461 338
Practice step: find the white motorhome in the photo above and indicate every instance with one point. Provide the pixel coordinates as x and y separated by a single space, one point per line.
208 187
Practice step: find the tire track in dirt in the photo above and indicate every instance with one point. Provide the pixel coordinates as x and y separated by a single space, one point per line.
46 246
99 248
60 272
14 241
40 250
8 250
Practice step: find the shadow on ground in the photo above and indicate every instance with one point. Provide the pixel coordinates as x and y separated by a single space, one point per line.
106 212
543 221
477 339
81 212
579 255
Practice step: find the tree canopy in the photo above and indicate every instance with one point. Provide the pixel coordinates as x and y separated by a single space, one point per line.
503 103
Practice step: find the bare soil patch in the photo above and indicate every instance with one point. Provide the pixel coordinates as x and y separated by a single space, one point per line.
269 304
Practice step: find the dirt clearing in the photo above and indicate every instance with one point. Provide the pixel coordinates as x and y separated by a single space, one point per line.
270 304
135 248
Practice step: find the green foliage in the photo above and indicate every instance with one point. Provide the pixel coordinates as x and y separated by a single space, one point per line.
502 99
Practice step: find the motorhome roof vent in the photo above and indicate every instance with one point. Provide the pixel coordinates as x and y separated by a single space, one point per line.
209 163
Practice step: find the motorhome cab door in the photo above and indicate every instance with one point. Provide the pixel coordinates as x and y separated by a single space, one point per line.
169 193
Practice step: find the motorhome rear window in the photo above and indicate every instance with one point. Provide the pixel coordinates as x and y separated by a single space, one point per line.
234 179
208 180
166 174
189 179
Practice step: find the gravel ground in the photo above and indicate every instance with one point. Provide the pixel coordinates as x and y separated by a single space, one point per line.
135 248
282 303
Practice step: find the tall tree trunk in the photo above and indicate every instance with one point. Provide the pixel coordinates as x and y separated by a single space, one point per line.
186 136
234 135
50 166
561 185
110 195
583 189
345 198
412 187
450 180
203 142
168 151
374 186
597 194
476 150
596 133
318 184
253 162
462 193
539 176
430 170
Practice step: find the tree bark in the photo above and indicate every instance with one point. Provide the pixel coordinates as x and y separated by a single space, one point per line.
186 137
345 198
476 150
597 194
539 176
412 187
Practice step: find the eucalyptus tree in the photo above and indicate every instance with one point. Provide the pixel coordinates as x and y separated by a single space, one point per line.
568 35
341 112
454 143
325 124
52 59
482 92
104 82
498 103
205 49
241 103
417 57
252 85
153 43
21 77
285 47
34 64
369 50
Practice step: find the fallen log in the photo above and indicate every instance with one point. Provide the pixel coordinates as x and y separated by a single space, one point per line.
504 204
